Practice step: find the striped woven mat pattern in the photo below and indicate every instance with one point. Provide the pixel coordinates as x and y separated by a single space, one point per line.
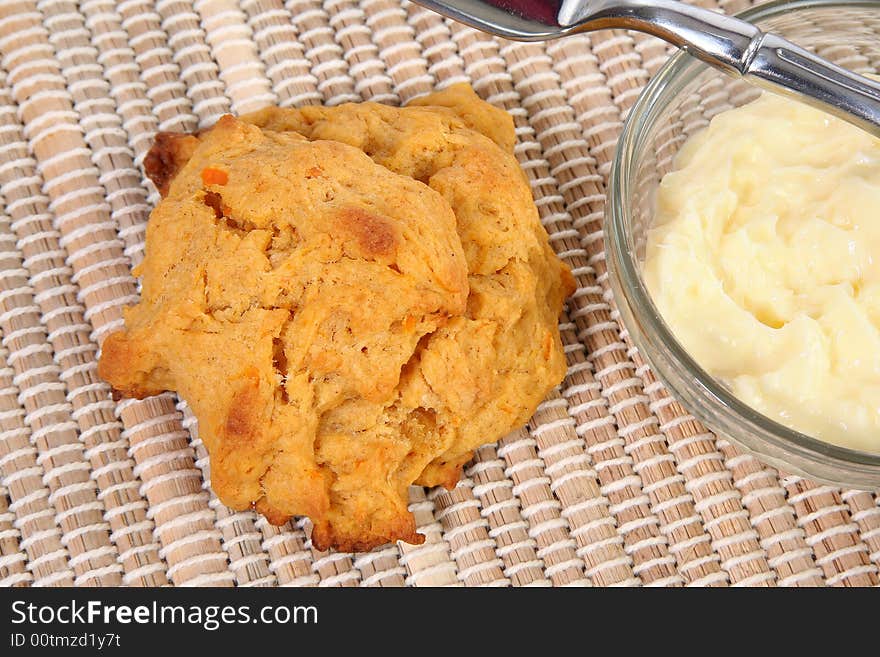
610 483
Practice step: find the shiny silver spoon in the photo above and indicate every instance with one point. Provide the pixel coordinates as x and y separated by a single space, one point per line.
734 46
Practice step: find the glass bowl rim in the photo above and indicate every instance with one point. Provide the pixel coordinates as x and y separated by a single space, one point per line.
625 275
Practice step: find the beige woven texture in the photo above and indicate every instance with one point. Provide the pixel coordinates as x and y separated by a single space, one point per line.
611 482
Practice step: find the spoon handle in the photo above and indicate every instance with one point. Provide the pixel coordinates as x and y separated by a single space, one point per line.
788 69
739 48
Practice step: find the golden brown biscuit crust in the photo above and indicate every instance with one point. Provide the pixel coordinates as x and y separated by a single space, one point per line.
351 299
169 153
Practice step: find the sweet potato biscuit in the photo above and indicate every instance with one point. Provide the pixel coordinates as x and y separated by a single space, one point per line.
351 299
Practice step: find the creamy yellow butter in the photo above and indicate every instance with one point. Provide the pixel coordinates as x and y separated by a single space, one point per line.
765 262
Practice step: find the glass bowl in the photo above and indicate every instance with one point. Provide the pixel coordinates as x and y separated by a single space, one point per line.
678 102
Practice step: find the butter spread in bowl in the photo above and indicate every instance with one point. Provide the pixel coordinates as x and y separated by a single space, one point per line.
764 260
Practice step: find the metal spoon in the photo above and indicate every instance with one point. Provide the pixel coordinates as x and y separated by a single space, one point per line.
734 46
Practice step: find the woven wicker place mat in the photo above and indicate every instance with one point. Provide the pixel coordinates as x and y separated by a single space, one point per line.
611 482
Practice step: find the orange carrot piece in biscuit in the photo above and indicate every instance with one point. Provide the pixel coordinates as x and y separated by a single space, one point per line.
211 176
